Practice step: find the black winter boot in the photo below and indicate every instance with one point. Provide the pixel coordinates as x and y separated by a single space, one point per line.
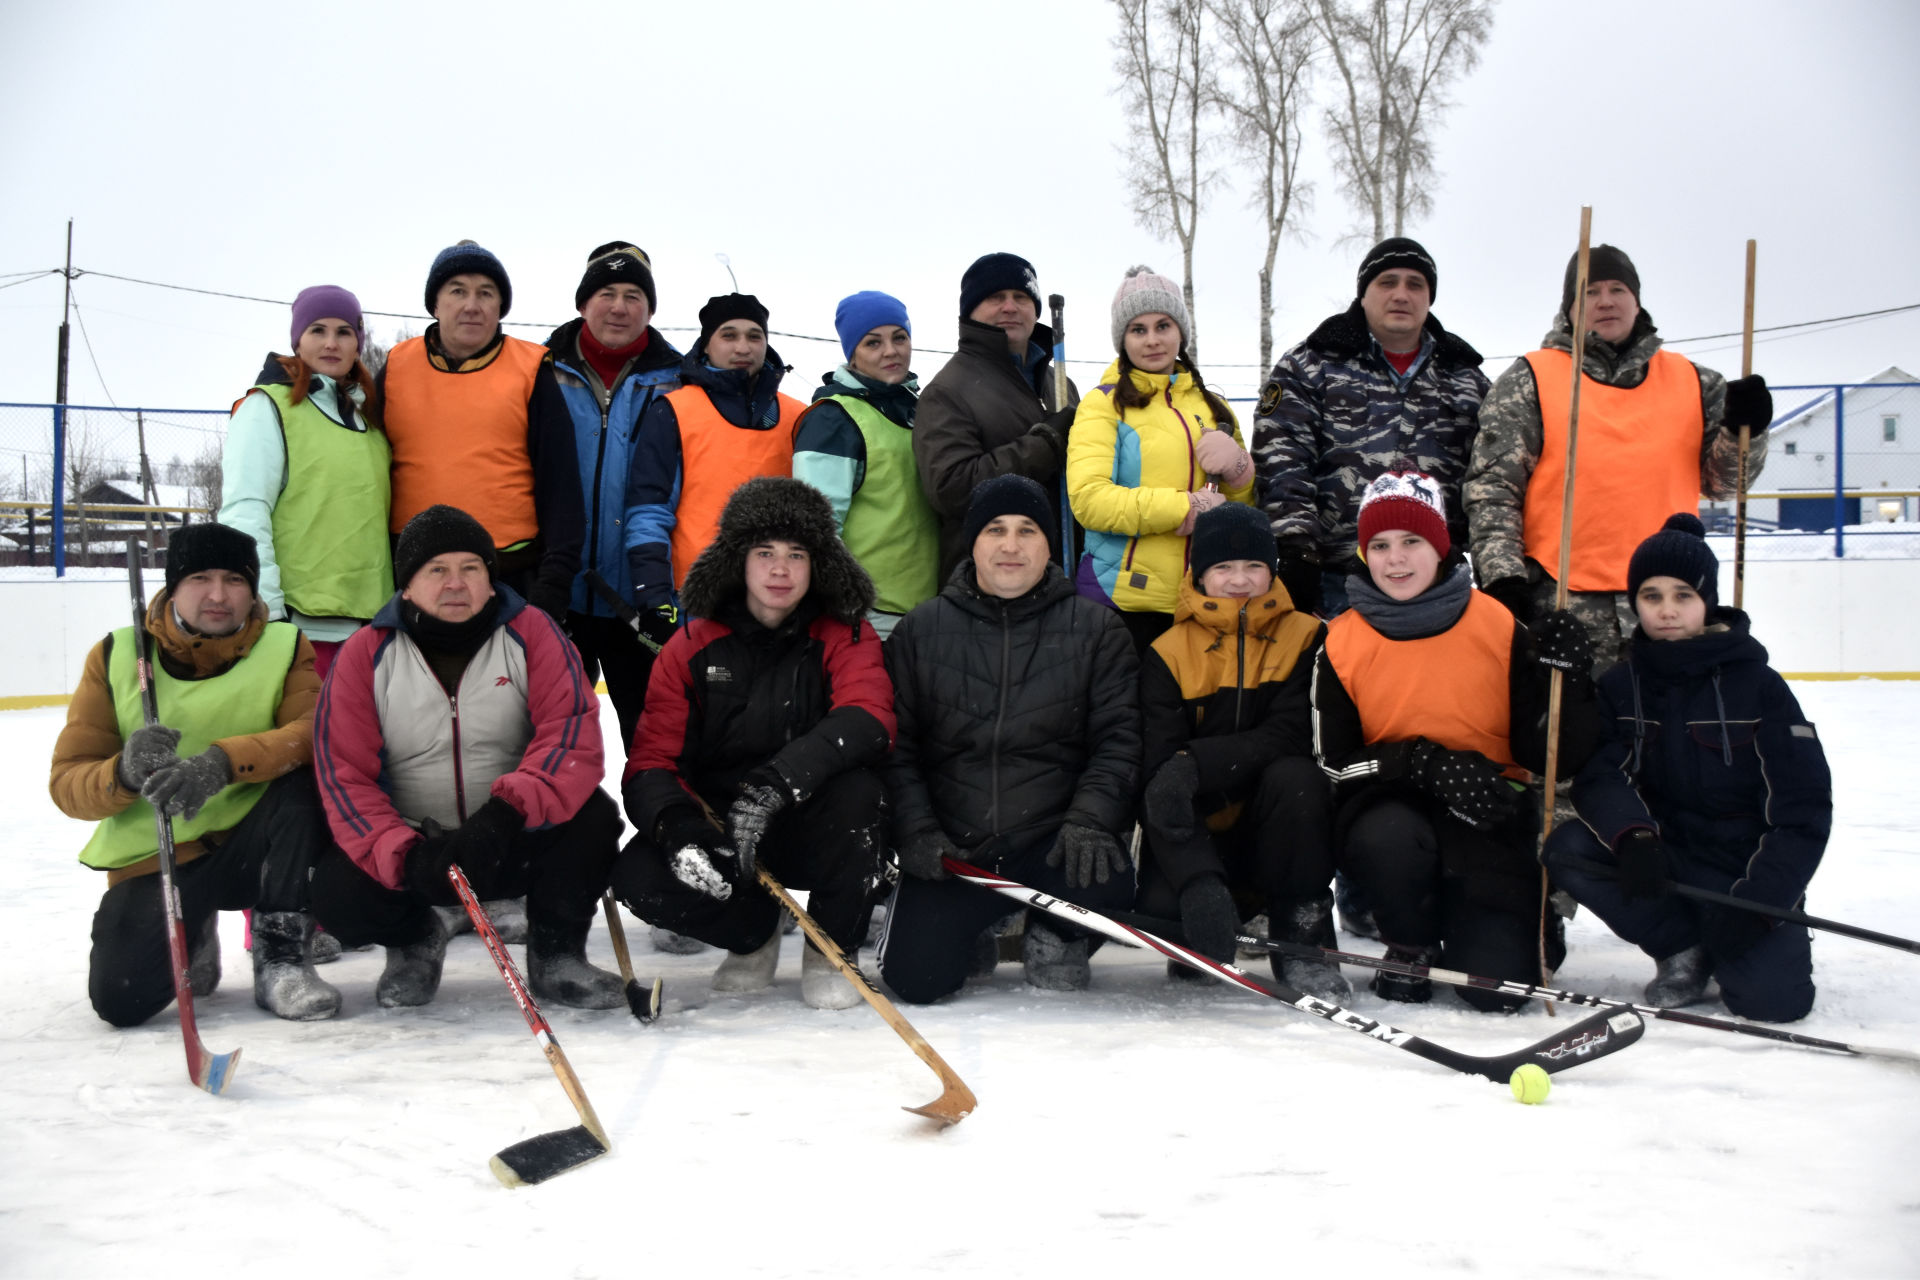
1680 979
1054 961
1309 923
557 967
284 983
412 975
1404 987
203 959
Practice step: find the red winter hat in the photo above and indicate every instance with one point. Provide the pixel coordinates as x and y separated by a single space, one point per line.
1406 500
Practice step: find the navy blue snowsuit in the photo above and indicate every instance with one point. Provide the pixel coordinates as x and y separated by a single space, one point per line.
1707 746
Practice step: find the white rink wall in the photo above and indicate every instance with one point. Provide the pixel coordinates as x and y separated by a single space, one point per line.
1817 617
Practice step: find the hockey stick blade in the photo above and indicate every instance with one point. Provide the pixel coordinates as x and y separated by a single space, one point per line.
546 1155
1607 1031
644 1001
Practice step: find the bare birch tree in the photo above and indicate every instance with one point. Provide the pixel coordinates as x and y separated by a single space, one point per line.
1395 60
1267 47
1161 53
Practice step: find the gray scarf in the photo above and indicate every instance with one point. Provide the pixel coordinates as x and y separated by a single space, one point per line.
1427 614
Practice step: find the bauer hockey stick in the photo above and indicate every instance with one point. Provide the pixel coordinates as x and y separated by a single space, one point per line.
545 1155
1595 1037
210 1071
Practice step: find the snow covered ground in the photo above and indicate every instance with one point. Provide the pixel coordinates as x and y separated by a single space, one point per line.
1141 1127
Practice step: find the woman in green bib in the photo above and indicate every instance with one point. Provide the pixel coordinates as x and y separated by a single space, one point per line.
305 474
855 444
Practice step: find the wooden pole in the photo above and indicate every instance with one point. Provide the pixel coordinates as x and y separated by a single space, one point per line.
1740 499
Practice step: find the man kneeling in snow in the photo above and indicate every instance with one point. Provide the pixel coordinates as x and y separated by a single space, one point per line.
459 728
771 705
228 758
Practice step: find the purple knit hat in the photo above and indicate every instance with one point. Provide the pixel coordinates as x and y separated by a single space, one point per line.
326 302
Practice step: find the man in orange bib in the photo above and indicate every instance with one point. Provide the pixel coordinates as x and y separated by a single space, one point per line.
1656 432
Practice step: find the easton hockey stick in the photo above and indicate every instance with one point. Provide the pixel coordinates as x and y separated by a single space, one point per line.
1595 1037
644 1001
956 1102
210 1071
545 1155
1513 987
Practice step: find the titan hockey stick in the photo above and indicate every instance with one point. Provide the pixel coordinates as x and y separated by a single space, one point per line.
956 1102
544 1155
1512 987
210 1071
644 1001
1786 914
1605 1032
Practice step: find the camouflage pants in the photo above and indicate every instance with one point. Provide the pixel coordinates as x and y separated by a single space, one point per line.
1608 616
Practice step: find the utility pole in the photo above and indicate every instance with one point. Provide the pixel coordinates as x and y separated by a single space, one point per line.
60 422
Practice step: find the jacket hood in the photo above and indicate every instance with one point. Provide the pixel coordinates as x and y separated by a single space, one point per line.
272 372
1265 612
767 507
1622 365
1727 641
895 400
1346 335
745 401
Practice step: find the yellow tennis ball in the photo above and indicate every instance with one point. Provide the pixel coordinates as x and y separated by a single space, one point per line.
1530 1084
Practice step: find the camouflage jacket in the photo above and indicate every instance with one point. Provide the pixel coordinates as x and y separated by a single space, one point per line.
1509 443
1334 414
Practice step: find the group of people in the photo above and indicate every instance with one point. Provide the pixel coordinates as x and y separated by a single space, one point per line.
1102 643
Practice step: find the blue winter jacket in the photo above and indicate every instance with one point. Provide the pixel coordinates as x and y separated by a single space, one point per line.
1706 745
604 438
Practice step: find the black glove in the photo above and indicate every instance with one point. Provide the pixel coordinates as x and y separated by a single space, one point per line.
920 855
763 793
656 626
185 785
1169 798
1467 783
483 846
1731 932
551 600
1560 641
147 749
1641 857
1057 427
1209 917
1300 572
697 852
1749 404
1516 595
1089 854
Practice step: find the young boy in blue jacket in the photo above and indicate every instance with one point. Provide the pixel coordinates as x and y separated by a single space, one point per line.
1710 776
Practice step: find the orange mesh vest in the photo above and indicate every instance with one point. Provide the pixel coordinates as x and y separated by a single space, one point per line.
716 458
461 438
1639 463
1450 688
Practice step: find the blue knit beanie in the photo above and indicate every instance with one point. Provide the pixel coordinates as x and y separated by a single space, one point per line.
861 313
463 259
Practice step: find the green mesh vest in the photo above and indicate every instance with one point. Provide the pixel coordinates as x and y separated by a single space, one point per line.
891 528
330 524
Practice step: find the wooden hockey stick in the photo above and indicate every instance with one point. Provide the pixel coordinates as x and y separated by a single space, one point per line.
1746 433
544 1155
644 1001
956 1102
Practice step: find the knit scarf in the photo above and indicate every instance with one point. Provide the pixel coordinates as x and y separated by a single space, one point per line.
1427 614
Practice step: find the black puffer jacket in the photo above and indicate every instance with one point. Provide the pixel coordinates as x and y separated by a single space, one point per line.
1015 716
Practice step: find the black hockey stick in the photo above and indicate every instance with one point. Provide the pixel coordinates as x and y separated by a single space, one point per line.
1594 1037
545 1155
1057 305
1512 987
621 609
210 1071
644 1001
1786 914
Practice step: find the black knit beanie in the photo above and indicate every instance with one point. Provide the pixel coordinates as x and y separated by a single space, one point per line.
725 307
1680 551
197 548
1009 495
467 258
435 532
1398 251
1231 531
1604 262
993 272
617 262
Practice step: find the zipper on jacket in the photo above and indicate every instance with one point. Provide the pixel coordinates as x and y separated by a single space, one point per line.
459 776
1000 715
1240 675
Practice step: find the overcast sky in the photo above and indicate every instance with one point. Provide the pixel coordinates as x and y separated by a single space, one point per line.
829 147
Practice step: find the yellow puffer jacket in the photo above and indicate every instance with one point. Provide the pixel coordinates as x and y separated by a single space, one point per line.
1128 477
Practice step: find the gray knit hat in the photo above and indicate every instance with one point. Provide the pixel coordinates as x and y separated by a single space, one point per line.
1143 293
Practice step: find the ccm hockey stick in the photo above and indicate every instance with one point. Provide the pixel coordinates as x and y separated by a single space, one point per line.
1511 987
544 1155
1603 1033
956 1102
210 1071
644 1001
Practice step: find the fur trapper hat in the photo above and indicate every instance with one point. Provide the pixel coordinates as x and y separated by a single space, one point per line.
765 508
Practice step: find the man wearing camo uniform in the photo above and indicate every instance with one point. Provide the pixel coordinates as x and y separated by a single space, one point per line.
1379 382
1656 431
